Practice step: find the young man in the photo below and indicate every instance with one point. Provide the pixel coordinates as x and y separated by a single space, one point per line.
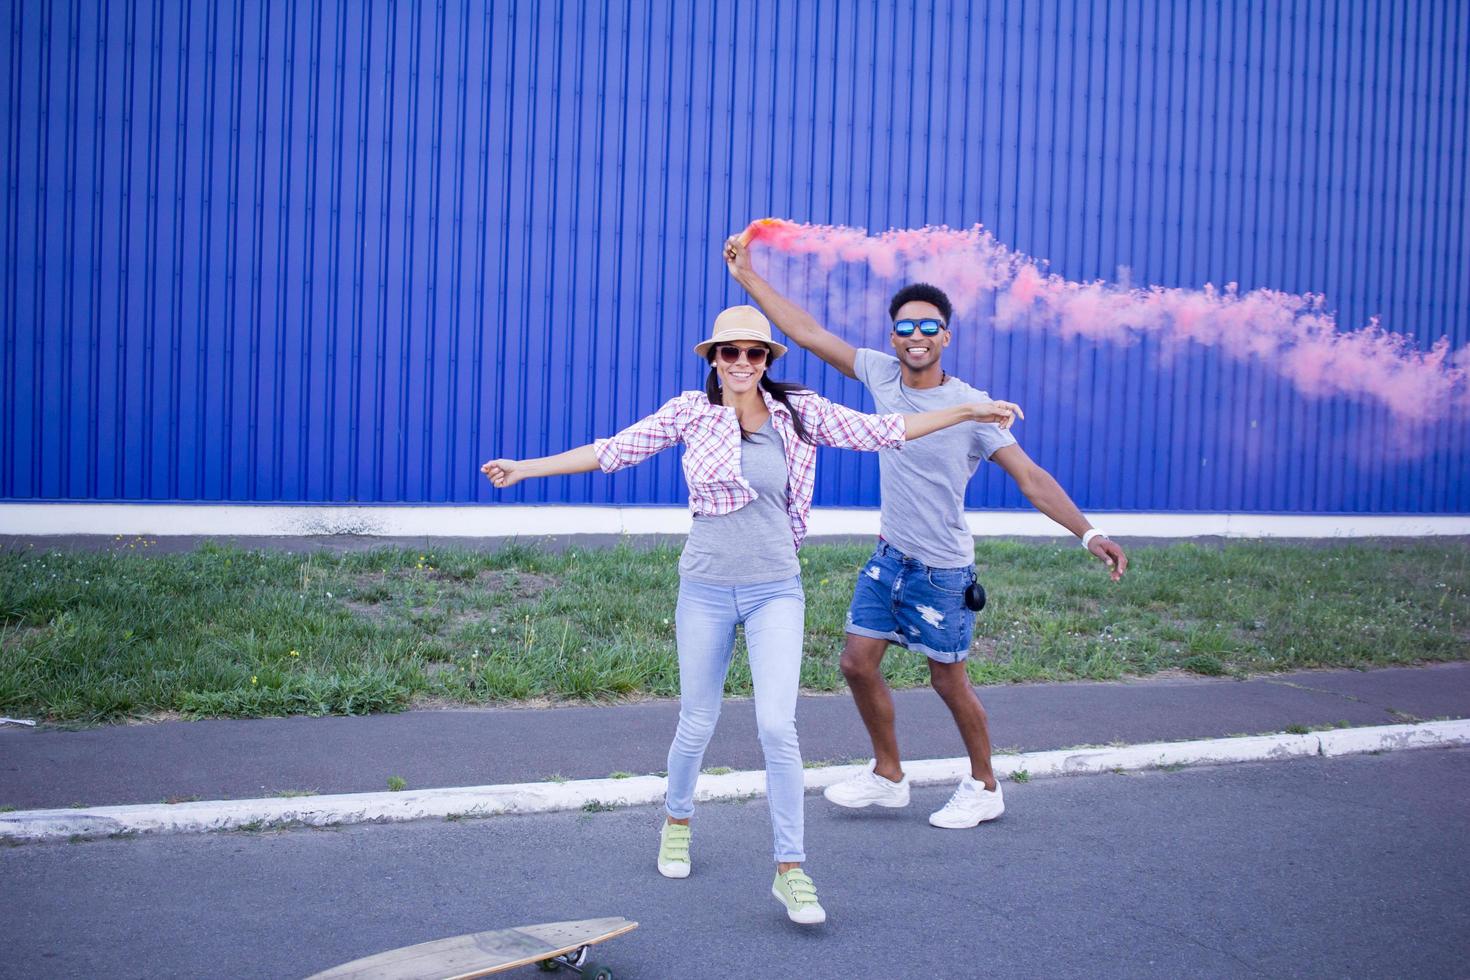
912 591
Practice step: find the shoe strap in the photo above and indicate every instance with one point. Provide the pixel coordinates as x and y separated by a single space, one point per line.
676 841
801 887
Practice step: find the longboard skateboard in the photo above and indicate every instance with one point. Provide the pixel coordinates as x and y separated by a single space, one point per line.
551 945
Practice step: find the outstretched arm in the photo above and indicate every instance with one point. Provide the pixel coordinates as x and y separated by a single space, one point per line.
789 318
923 423
1046 495
837 425
633 445
508 472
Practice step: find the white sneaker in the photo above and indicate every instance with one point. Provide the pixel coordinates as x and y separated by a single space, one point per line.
971 804
867 789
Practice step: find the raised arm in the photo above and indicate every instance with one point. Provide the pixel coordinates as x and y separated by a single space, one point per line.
789 318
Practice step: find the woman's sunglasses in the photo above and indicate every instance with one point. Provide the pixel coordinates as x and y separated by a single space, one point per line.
905 328
754 356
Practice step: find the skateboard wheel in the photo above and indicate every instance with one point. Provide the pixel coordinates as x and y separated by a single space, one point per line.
548 966
595 972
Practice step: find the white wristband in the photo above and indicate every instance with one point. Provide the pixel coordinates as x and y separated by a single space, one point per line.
1091 533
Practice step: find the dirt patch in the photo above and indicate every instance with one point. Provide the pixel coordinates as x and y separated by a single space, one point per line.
987 649
523 585
432 620
14 637
375 612
377 597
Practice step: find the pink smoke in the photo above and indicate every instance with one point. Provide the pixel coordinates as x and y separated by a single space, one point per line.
1295 335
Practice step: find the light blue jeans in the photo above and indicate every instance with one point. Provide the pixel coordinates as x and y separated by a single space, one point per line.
773 614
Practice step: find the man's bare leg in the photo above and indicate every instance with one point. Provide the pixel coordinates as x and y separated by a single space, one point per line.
953 685
862 660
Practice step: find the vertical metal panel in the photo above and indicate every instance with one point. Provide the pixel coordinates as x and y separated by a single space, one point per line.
333 251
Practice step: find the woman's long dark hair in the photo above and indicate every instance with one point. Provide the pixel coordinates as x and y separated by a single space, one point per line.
779 390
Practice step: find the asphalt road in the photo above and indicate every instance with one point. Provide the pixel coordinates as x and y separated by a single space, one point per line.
1346 867
235 759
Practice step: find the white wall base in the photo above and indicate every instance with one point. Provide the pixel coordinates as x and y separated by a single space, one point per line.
505 521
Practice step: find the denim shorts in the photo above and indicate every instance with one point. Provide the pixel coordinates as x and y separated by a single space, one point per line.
904 601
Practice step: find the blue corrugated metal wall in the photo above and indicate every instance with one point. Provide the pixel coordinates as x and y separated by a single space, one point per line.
343 251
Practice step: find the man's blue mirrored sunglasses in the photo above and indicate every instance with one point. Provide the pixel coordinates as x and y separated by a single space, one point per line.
905 328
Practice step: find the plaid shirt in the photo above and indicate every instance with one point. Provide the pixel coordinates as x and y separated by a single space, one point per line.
711 437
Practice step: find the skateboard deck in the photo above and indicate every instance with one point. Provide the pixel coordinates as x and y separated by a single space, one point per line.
480 954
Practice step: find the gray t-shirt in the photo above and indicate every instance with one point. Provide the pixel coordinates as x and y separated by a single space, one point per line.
923 486
755 543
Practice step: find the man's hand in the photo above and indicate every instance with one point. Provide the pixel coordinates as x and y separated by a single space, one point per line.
1111 555
1003 413
503 472
737 257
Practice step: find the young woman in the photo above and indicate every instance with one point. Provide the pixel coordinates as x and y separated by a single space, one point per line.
750 462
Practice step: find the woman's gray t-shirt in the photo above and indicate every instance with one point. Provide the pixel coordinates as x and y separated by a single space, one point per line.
923 487
755 543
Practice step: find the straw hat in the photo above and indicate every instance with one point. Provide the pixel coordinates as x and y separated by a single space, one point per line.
740 323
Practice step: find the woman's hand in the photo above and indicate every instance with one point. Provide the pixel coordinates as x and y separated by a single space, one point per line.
1002 413
737 256
508 472
504 472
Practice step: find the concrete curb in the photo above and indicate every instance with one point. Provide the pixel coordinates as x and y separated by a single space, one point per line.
598 794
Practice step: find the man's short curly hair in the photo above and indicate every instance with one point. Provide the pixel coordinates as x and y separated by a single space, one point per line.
924 293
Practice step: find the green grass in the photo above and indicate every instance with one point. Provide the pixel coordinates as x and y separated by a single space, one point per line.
86 638
827 763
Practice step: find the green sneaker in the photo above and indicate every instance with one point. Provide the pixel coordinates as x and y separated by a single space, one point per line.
673 850
795 890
